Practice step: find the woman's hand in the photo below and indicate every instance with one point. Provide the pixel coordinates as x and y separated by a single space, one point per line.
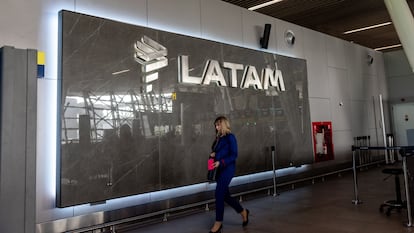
216 164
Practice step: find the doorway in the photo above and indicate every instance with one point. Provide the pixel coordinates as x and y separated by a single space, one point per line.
403 118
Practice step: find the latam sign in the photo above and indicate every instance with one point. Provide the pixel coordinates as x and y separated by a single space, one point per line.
213 72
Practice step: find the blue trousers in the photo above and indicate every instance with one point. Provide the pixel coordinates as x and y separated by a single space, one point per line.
222 195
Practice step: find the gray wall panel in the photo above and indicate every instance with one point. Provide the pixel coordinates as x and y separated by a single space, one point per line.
12 195
229 18
316 59
18 139
173 16
336 49
31 133
131 11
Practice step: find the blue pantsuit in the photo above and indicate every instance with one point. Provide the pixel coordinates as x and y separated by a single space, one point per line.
226 154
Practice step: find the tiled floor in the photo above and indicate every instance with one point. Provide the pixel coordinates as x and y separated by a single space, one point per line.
324 207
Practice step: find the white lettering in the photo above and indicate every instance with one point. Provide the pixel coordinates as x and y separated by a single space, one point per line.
183 72
279 83
213 73
233 74
272 78
251 78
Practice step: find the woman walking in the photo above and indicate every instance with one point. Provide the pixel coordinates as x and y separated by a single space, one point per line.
224 152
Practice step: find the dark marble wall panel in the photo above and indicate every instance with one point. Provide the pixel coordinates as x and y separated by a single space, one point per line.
129 126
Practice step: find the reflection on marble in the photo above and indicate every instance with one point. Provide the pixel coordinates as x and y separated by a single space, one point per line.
128 126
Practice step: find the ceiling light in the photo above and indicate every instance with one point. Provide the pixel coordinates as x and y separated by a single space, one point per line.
264 5
367 28
388 47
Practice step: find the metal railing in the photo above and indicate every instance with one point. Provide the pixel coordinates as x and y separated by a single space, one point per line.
405 152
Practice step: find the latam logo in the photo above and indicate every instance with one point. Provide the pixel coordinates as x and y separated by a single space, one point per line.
153 56
213 72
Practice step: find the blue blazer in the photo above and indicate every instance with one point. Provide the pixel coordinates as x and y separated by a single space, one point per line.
226 154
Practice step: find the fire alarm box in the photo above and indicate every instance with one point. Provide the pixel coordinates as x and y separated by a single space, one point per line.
322 141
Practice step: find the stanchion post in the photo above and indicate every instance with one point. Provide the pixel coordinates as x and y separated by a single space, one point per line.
387 159
356 201
274 171
407 192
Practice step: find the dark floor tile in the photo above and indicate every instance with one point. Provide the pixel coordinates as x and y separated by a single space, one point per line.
324 207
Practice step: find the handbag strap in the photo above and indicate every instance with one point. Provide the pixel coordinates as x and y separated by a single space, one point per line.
214 146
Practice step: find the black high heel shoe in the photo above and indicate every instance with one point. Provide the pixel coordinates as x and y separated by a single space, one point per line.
219 230
247 218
